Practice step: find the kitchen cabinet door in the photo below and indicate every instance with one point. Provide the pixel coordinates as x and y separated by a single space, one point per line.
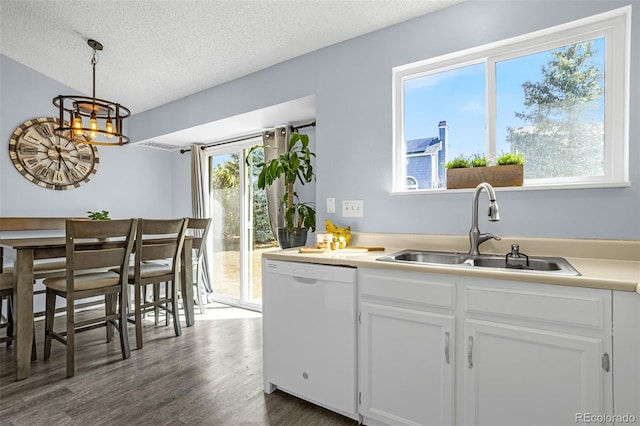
516 375
406 366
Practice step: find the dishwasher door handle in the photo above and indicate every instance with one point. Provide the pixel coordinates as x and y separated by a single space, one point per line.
310 274
305 280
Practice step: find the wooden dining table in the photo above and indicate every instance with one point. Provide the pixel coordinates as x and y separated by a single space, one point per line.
27 250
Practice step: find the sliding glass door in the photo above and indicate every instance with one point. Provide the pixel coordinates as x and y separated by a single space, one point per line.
240 227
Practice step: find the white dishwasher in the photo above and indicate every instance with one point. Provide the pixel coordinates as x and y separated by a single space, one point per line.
309 333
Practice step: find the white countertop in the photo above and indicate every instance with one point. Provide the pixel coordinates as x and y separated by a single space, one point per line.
605 264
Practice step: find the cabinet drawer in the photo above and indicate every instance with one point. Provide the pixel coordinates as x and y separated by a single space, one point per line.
408 287
580 307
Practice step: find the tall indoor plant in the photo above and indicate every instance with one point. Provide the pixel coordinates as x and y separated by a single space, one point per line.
294 166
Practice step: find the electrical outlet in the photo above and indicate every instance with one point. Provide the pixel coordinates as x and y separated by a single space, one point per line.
352 208
331 205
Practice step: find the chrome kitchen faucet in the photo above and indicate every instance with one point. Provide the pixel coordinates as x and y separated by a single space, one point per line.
475 237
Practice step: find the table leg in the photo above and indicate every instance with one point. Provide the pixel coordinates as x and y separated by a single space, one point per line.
186 282
23 309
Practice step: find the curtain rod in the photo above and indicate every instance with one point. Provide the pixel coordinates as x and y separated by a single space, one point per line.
293 129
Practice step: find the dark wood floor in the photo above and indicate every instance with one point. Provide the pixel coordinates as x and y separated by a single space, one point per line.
211 375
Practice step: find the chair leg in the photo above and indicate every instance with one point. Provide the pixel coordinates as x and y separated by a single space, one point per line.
109 300
10 321
174 308
34 352
199 290
144 297
138 315
70 337
122 327
166 304
156 297
48 322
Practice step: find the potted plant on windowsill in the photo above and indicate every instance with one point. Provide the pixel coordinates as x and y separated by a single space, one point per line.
465 173
294 166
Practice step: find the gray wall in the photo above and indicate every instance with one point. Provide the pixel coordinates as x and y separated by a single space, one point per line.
352 84
131 181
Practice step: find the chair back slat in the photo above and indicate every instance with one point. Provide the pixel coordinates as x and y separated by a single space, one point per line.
158 251
160 226
169 234
97 259
101 228
94 256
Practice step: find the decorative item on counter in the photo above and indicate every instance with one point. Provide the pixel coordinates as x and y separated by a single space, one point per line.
338 232
323 241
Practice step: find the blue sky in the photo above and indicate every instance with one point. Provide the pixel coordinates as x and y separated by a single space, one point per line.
458 97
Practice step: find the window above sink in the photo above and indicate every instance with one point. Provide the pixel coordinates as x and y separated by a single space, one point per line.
559 95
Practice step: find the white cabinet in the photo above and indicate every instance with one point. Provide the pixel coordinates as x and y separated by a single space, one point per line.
526 376
535 354
626 356
406 349
448 350
406 364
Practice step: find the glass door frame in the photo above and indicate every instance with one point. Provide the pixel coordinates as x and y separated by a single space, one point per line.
246 225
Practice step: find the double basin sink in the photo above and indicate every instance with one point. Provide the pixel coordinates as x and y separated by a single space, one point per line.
536 264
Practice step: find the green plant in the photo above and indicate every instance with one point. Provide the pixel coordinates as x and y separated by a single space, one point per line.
511 158
459 162
103 215
294 165
479 161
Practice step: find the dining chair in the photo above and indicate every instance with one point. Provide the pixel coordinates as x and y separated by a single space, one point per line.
7 281
6 300
158 250
199 230
87 251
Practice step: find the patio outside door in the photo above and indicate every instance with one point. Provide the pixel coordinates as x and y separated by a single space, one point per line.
240 227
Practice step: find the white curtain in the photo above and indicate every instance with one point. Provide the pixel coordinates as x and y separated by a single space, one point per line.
275 143
200 204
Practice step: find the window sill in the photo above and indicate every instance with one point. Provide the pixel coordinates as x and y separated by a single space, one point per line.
545 187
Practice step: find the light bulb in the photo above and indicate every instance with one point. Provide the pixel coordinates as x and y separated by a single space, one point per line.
93 126
109 127
77 125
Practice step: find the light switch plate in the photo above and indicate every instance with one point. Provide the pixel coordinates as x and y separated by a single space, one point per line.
352 208
331 205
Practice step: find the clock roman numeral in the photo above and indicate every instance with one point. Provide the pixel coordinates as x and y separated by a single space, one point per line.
58 176
73 173
43 172
27 150
82 168
44 130
31 139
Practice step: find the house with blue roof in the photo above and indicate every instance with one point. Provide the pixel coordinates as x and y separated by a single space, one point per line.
425 160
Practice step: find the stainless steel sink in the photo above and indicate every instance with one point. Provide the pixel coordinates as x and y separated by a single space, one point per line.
556 265
535 264
419 256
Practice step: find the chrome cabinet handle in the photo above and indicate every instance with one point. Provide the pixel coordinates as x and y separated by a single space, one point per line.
446 347
470 353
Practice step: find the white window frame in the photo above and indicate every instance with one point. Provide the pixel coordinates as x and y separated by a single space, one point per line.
614 26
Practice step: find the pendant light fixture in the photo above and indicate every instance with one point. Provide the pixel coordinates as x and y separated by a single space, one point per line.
91 120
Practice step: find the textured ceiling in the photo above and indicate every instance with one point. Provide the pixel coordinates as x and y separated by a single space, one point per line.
159 51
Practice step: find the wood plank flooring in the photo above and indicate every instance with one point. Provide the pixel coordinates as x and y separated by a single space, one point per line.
211 375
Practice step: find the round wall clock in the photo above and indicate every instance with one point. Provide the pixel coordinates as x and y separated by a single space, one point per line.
49 160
